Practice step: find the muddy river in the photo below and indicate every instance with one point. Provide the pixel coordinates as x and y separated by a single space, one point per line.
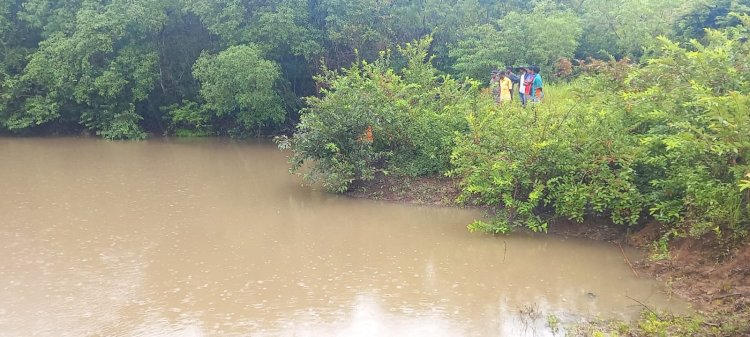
216 238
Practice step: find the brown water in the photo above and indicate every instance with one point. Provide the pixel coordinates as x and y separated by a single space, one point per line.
215 238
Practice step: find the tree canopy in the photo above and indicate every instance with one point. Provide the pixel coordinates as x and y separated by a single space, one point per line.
122 69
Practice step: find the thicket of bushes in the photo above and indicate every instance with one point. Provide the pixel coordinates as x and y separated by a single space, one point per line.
668 139
413 115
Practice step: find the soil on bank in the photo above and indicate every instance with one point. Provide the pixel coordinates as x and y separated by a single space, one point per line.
703 274
443 191
435 190
698 270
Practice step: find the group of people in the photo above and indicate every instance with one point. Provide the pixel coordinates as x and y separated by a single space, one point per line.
528 81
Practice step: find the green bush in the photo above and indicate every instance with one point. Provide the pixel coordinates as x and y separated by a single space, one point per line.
571 153
116 125
670 140
694 120
187 120
413 115
237 86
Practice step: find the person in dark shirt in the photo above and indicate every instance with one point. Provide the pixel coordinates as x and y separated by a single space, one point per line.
515 79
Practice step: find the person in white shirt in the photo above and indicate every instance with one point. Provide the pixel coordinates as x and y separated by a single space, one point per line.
522 83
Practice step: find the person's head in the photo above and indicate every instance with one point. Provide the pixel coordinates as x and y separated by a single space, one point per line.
522 70
501 74
531 70
536 69
508 70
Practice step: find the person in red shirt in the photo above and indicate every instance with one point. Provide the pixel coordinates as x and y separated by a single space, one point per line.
529 82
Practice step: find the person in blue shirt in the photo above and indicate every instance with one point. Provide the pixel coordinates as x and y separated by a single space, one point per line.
537 88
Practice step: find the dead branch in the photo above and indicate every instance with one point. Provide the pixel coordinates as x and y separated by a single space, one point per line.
627 260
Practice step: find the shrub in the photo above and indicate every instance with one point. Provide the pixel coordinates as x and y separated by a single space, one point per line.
569 153
237 86
412 116
668 139
693 110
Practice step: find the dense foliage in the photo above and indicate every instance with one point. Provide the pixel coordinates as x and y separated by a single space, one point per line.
238 85
668 139
121 69
374 119
574 154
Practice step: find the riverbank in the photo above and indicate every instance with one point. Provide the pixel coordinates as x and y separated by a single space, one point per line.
715 281
443 191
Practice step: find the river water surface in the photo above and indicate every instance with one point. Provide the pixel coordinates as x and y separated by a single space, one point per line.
216 238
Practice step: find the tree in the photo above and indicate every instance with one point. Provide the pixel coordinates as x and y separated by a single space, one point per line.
96 73
623 29
120 67
237 86
480 50
713 14
540 37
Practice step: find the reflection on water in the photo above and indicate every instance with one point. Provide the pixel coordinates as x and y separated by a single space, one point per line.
215 238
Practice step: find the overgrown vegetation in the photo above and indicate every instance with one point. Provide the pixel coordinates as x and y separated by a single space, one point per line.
372 118
660 140
124 69
664 324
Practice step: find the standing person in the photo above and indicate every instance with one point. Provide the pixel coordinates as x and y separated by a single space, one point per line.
506 88
513 78
537 86
528 83
522 86
495 86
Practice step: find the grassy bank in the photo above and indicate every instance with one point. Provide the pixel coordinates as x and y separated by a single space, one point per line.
664 324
